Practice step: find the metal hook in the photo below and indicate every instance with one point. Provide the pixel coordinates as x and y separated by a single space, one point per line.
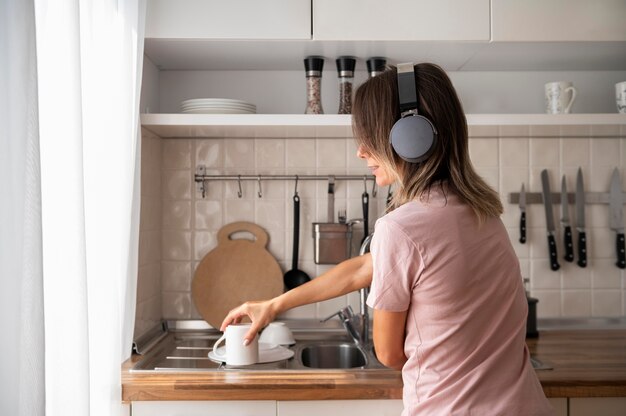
374 189
260 193
295 192
239 192
364 183
389 195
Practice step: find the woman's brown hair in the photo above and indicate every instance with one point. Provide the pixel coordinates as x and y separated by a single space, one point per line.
374 113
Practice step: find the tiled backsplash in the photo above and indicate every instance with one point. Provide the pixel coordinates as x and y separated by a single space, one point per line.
505 156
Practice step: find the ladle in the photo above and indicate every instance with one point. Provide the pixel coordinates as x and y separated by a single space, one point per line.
295 277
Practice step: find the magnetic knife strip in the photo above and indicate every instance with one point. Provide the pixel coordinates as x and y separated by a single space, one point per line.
590 198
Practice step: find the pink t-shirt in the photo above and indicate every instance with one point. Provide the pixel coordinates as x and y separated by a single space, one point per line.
466 319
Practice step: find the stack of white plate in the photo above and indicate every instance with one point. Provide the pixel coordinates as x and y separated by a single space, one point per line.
216 106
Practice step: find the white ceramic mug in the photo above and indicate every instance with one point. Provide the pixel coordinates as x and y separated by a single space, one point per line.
235 353
620 97
559 97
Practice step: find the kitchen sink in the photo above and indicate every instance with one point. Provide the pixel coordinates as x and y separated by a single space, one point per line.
333 356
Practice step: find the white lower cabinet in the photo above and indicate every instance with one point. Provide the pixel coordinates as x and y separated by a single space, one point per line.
205 408
340 408
597 406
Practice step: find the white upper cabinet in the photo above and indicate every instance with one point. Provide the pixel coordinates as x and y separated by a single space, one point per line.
232 19
421 20
559 20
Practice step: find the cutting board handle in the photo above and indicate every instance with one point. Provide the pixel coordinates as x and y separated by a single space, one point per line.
260 235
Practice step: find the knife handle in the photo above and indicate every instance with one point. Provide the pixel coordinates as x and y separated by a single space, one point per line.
554 263
522 228
621 255
582 249
569 244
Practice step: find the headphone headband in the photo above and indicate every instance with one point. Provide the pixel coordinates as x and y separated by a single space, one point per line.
413 136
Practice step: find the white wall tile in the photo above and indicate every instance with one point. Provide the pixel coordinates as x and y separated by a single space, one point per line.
549 305
239 153
176 154
544 153
606 275
176 275
204 241
605 152
176 305
514 153
607 303
484 152
176 215
208 215
238 210
331 153
576 303
176 245
575 152
270 153
301 153
177 184
209 152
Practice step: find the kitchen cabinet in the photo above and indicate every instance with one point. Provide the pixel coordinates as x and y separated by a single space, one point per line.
205 408
340 408
238 19
421 20
559 20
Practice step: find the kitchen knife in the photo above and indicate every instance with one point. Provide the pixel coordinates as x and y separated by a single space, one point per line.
547 204
580 219
522 220
617 217
567 230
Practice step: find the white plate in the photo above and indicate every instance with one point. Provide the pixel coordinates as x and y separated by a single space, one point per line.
235 107
213 101
217 111
268 353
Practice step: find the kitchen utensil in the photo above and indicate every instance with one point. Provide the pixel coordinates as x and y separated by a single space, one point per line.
522 220
567 230
330 212
277 333
295 277
268 353
235 352
365 201
331 240
580 219
616 221
341 216
236 271
547 203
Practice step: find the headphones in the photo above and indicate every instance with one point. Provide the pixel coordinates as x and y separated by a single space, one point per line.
413 136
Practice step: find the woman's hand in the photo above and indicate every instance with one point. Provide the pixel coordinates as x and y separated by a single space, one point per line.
261 313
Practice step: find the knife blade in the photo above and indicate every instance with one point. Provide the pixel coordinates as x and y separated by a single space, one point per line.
567 230
522 221
580 219
617 217
547 204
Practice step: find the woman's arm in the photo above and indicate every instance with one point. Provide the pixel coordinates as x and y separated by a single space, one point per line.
389 333
348 276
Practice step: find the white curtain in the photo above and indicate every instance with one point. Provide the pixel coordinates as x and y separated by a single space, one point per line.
88 75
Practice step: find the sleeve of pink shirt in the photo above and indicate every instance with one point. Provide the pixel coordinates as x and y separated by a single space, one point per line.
396 263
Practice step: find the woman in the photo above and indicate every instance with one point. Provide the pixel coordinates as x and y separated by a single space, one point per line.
446 289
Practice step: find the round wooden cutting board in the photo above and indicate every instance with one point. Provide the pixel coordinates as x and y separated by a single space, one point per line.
236 271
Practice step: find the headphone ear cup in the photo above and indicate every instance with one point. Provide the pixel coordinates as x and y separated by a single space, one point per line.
413 138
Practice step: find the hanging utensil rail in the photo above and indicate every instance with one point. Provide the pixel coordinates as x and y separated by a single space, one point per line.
203 178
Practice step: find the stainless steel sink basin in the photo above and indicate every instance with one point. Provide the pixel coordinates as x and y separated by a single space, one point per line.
333 356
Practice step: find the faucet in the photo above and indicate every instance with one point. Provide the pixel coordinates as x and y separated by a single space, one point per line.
357 326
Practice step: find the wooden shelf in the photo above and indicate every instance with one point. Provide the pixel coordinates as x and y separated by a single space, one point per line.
332 125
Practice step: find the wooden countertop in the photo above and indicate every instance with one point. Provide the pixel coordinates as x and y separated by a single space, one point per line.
586 363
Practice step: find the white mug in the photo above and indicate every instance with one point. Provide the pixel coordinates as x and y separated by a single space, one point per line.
235 353
620 97
559 97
